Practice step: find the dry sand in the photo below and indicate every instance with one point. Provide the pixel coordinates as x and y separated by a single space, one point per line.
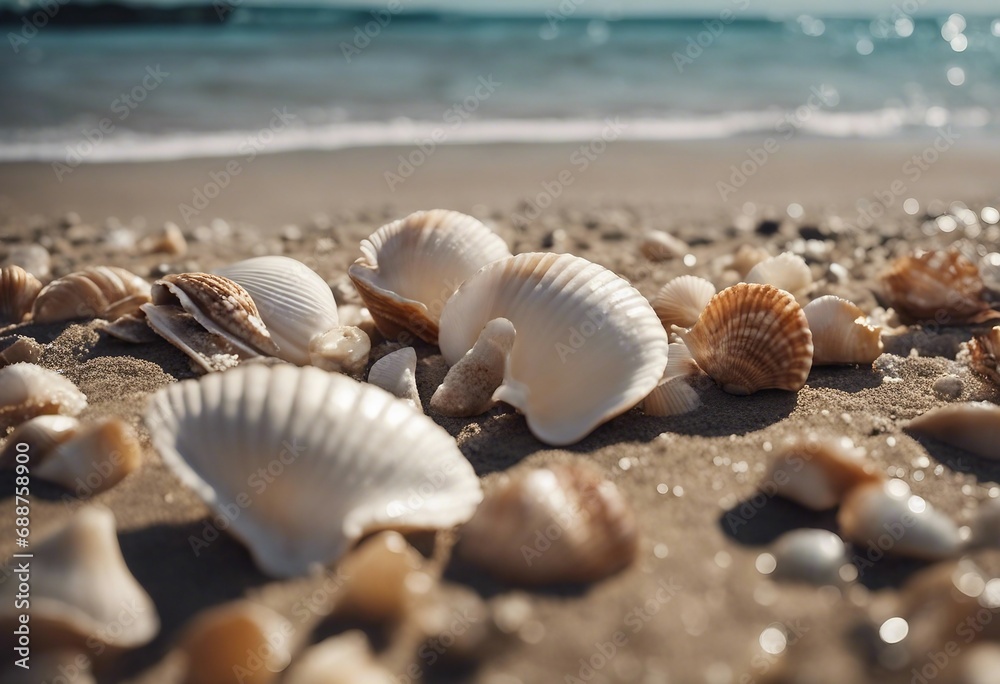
706 463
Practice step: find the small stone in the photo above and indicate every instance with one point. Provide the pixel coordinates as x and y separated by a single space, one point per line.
948 387
768 227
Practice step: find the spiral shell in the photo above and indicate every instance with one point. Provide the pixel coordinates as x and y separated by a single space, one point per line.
27 390
972 426
752 337
96 292
984 354
841 333
18 290
939 286
682 300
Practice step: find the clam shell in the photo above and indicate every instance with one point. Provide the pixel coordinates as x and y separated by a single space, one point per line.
841 333
589 346
396 373
787 271
27 390
41 435
984 352
18 290
817 472
563 523
812 556
132 328
97 292
93 460
209 351
682 300
972 426
672 397
344 659
660 246
24 350
353 459
752 337
889 517
939 286
409 268
386 579
468 387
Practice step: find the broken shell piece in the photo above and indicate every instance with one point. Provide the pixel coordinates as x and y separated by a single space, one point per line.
168 241
27 390
588 348
972 426
396 373
132 328
787 271
818 472
81 590
210 352
682 300
938 286
562 523
351 457
97 292
468 387
813 556
33 258
24 350
984 353
344 659
672 397
18 290
236 642
409 268
660 246
343 349
752 337
841 333
386 579
895 520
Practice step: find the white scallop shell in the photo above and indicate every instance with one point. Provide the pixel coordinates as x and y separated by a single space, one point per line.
396 373
841 333
972 426
787 271
27 390
672 397
353 459
682 300
588 348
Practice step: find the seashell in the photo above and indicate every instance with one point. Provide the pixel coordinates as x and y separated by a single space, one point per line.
358 316
62 666
33 258
344 659
590 346
680 362
236 642
812 556
562 523
746 257
787 271
752 337
672 397
169 241
41 434
818 472
386 579
939 286
355 460
18 290
660 246
27 390
209 351
80 589
972 426
132 328
840 332
888 516
23 350
396 373
409 268
984 351
343 349
682 300
96 292
468 387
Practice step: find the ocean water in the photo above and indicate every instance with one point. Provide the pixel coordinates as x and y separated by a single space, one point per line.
267 81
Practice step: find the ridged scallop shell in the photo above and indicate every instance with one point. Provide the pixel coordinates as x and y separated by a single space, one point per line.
938 286
841 333
96 292
27 390
682 300
23 350
588 345
564 523
411 267
660 246
467 389
984 354
396 373
344 659
972 426
354 459
817 472
18 290
787 271
752 337
672 397
808 555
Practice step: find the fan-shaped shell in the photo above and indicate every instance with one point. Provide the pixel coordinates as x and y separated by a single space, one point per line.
18 290
468 388
561 523
939 286
682 300
817 472
588 345
787 271
984 354
841 333
672 397
409 268
95 292
27 390
352 459
396 373
972 426
752 337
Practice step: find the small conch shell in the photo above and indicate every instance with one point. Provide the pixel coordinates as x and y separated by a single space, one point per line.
219 642
841 333
787 271
409 268
96 292
889 517
588 348
984 354
18 290
344 659
468 387
27 390
752 337
23 350
809 555
660 246
562 523
386 579
396 373
682 300
82 590
972 426
939 286
818 472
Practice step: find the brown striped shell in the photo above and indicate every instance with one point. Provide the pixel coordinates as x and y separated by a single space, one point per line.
18 290
752 337
104 292
939 286
984 353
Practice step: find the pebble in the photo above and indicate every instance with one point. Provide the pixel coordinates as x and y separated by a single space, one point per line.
948 387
